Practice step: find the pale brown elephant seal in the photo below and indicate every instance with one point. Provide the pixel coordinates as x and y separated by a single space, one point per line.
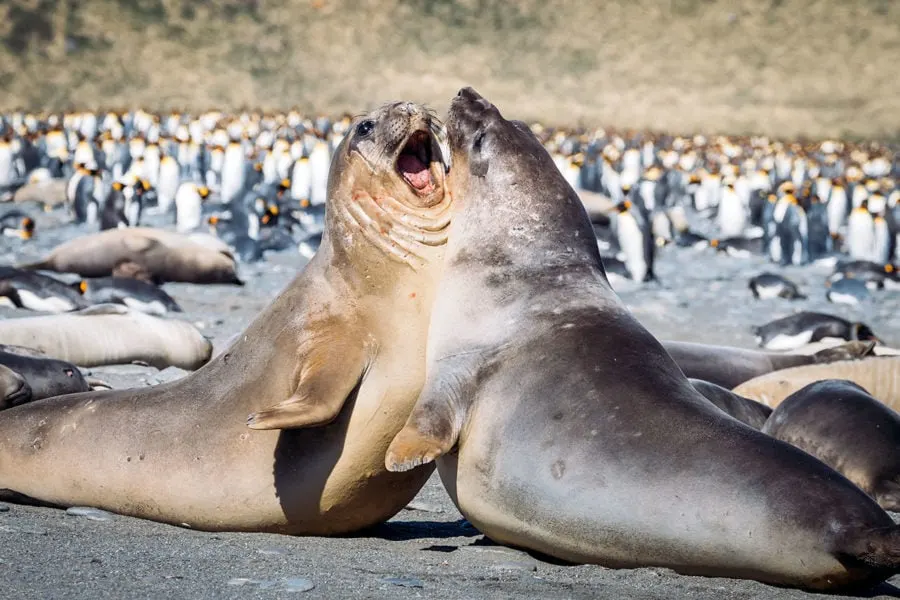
879 375
844 426
342 347
729 367
166 255
561 425
110 334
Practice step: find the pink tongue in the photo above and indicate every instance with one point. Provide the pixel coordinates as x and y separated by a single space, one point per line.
415 172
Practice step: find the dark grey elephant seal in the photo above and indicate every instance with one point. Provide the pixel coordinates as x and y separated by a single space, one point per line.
46 377
340 351
14 389
844 426
575 433
730 367
747 411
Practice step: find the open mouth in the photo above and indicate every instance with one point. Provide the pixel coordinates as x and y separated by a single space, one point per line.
414 163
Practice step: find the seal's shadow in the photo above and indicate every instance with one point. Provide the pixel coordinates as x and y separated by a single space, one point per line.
305 459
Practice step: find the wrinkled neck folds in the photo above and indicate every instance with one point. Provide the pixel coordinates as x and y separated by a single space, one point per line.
402 232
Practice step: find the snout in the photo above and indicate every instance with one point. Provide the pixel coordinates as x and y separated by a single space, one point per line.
469 112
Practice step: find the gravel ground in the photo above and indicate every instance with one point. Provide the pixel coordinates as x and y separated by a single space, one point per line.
426 551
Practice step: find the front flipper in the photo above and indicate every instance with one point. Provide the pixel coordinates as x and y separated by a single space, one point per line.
328 374
435 423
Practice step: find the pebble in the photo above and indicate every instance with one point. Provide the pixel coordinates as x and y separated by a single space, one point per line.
285 584
410 582
4 508
515 566
92 514
424 507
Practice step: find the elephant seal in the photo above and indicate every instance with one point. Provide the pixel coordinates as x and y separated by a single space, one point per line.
841 424
110 334
730 367
880 375
342 347
14 389
747 411
45 376
166 255
560 424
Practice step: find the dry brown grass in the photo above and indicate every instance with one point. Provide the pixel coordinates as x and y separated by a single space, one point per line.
783 67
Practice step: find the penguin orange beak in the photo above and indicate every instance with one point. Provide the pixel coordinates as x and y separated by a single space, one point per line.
304 203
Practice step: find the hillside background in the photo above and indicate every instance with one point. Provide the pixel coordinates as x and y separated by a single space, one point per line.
782 67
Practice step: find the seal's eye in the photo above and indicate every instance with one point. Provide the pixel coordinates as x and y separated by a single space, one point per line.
365 128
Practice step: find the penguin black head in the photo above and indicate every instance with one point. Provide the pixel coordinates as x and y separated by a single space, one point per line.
862 332
623 206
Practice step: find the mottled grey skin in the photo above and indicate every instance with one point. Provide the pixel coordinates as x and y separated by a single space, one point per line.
341 352
747 411
730 367
14 389
46 376
575 433
841 424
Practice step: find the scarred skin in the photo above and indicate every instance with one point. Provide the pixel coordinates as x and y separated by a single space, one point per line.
560 424
340 354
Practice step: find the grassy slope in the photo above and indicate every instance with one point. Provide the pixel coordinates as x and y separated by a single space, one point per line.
787 67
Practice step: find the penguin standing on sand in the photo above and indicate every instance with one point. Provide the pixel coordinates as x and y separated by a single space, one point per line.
188 209
86 205
113 214
301 182
319 162
167 186
233 171
793 234
732 216
838 207
135 197
820 242
635 241
882 241
860 233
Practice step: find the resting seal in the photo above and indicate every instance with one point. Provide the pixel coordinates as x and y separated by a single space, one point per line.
576 434
841 424
747 411
45 376
165 255
13 388
343 346
729 367
110 334
879 375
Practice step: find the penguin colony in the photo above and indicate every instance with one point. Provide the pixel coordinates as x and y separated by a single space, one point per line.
243 185
831 204
258 181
